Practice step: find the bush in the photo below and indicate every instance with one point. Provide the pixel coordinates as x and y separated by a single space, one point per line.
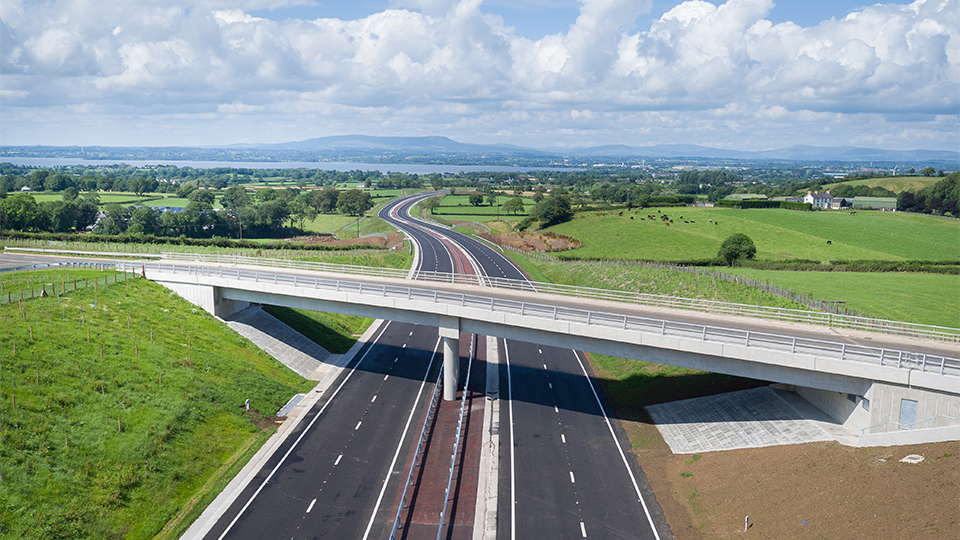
737 247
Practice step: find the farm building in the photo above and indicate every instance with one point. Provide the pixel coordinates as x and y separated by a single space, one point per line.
880 203
820 200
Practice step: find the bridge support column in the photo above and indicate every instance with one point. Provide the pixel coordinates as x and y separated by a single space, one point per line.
450 332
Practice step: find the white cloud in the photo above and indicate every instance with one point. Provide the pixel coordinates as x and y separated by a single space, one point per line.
700 73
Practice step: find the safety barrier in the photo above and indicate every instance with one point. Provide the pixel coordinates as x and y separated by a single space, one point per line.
898 358
653 300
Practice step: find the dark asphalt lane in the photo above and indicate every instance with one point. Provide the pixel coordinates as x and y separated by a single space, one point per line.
563 472
329 483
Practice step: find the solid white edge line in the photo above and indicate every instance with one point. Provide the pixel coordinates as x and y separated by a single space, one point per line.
403 436
619 448
513 475
303 433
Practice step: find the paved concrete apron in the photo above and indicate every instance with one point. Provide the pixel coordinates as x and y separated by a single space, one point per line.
746 419
280 341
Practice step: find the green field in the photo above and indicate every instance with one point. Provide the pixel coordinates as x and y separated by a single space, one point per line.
778 234
453 206
895 184
121 409
328 222
912 297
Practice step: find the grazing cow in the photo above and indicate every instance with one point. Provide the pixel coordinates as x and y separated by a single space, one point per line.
631 217
691 221
829 242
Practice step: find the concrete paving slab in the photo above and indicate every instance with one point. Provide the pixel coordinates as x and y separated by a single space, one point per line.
746 419
290 347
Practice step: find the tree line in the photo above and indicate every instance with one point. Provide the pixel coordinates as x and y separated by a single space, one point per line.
266 213
940 198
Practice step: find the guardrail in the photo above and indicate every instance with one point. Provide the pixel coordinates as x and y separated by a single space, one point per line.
456 442
819 318
434 400
903 359
886 425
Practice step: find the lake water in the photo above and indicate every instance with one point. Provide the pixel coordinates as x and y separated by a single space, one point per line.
408 168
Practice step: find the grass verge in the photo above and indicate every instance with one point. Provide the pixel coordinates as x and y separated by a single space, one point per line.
334 332
119 408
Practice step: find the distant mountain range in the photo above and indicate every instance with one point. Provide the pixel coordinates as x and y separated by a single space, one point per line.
445 145
446 151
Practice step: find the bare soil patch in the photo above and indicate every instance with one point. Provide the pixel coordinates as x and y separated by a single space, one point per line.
534 241
392 240
815 490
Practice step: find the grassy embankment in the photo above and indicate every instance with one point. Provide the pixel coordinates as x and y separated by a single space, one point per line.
122 410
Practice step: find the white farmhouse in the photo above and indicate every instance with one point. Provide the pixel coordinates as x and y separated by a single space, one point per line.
820 200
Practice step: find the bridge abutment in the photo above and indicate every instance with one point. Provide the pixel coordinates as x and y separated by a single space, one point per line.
207 297
890 414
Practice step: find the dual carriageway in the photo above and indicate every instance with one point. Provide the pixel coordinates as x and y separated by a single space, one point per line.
561 471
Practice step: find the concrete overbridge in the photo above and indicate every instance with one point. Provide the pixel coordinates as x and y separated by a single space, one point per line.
863 379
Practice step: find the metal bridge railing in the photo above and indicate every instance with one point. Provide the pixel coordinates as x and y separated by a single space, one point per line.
820 318
898 358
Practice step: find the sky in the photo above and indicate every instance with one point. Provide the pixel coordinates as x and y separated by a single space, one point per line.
744 74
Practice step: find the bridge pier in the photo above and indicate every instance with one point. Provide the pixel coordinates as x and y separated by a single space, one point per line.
450 332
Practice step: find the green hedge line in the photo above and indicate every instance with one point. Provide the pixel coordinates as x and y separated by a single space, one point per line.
179 241
807 265
763 203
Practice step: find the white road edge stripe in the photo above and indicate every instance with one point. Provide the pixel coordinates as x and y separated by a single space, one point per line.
303 434
403 436
622 455
513 472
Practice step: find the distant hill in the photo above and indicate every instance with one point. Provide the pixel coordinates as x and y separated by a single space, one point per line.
426 145
793 153
445 145
443 150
